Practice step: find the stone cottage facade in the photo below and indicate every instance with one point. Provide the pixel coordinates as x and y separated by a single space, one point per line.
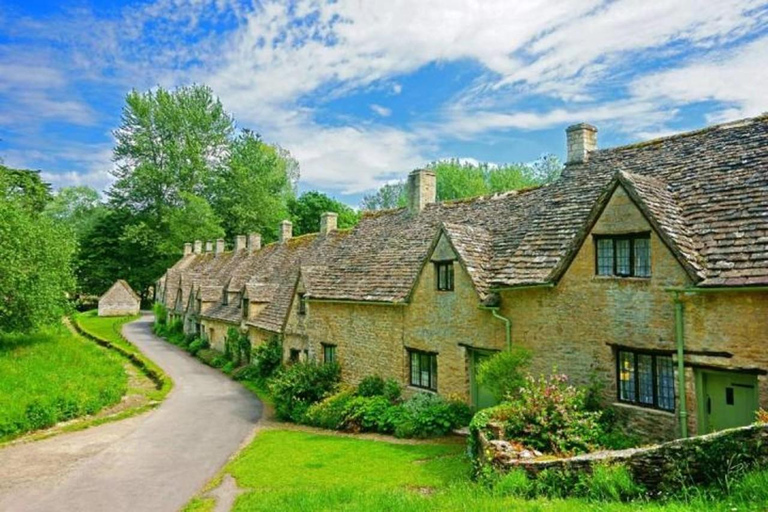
119 300
644 269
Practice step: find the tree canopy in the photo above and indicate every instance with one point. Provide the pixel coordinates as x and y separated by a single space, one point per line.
459 180
307 209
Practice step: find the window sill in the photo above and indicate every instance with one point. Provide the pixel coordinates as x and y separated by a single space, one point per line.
417 389
639 408
631 279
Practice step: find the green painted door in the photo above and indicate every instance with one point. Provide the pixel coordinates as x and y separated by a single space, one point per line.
729 399
481 396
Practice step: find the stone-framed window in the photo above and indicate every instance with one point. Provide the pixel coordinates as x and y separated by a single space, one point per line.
294 355
646 379
329 353
246 304
623 255
302 304
444 275
423 369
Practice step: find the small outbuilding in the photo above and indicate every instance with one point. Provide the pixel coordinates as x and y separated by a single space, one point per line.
119 300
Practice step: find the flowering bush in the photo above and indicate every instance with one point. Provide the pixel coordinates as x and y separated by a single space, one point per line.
761 416
549 414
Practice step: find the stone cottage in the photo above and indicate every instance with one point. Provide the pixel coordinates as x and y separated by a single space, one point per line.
119 300
644 268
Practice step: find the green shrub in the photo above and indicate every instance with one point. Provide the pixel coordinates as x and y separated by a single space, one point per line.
330 412
237 347
195 346
267 357
373 385
515 483
393 391
300 385
504 373
557 483
161 314
369 414
610 483
211 357
549 414
429 415
228 367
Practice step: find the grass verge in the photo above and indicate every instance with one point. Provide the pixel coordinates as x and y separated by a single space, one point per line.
291 470
107 331
53 376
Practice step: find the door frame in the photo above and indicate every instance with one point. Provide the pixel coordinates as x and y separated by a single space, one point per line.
701 401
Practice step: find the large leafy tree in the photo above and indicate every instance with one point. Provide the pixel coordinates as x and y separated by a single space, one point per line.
77 208
390 195
307 209
36 256
251 193
26 187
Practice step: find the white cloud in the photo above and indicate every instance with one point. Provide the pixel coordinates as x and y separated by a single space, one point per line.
382 111
80 164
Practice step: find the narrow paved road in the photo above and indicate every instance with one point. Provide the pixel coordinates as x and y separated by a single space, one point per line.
153 462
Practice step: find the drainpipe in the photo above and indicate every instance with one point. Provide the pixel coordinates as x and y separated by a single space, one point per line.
507 324
680 341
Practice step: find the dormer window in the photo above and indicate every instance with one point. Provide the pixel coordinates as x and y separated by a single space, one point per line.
225 298
302 304
246 306
444 275
623 255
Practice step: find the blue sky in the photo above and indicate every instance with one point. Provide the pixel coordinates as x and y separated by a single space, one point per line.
361 92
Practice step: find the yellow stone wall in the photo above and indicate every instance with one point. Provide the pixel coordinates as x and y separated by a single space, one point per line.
216 332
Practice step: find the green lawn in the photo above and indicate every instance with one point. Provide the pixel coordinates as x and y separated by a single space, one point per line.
292 470
53 376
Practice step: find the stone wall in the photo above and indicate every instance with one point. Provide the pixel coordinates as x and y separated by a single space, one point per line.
696 460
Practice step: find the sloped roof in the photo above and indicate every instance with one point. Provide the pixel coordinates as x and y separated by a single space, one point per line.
124 284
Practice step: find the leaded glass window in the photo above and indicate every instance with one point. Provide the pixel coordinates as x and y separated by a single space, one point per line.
646 379
623 256
423 369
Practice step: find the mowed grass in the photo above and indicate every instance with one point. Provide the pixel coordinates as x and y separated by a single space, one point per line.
293 470
53 376
107 328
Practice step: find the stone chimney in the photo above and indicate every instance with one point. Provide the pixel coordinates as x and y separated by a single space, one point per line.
208 246
187 249
239 243
422 189
286 231
219 246
328 222
254 242
198 247
582 138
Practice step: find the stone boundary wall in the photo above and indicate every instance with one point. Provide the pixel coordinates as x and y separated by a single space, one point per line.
696 460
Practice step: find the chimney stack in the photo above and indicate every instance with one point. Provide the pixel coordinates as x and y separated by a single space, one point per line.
198 247
254 242
328 222
208 246
187 249
219 246
286 231
582 138
422 189
239 243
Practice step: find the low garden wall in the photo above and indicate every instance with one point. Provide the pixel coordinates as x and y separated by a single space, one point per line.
697 460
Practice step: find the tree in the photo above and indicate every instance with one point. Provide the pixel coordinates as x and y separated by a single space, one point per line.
307 209
390 195
77 208
168 142
252 191
36 258
24 186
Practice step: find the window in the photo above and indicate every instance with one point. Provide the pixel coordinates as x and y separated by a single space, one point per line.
294 355
423 369
646 379
246 307
302 304
329 353
625 255
444 271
